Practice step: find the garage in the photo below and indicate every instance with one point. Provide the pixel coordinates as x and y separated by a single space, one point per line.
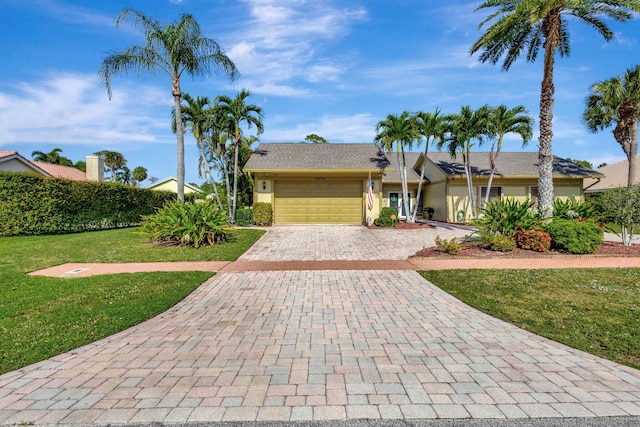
318 202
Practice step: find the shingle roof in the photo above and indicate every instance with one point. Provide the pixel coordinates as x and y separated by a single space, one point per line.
615 175
508 164
298 156
65 172
393 173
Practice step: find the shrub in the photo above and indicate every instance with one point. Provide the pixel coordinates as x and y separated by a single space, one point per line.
187 224
32 205
572 208
506 216
533 240
576 237
262 213
244 217
499 242
388 217
452 247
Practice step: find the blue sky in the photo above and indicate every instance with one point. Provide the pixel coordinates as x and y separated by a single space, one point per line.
333 68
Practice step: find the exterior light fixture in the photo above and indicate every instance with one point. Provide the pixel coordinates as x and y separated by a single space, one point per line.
264 185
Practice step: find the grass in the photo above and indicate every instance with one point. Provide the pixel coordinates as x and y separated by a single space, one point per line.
594 310
41 316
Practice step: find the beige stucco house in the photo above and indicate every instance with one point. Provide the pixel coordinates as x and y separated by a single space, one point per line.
171 184
328 183
13 161
613 176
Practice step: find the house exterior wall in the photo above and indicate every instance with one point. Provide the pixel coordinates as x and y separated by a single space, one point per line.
435 193
172 186
15 165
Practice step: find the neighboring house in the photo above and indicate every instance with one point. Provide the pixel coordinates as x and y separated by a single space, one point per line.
614 176
171 184
14 162
327 183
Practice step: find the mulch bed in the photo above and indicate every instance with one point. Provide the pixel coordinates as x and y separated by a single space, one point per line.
475 250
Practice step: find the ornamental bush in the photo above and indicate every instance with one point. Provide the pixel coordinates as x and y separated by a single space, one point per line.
572 208
262 213
388 217
244 217
576 237
188 224
452 247
533 240
499 242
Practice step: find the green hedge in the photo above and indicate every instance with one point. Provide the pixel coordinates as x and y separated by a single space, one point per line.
31 205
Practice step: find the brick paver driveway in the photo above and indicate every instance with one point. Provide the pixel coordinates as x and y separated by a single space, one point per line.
316 345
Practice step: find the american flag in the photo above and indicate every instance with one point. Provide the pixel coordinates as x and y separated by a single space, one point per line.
370 193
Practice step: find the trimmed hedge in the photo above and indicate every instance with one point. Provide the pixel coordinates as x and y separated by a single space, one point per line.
31 205
576 237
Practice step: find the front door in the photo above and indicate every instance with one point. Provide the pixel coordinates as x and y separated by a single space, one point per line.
395 201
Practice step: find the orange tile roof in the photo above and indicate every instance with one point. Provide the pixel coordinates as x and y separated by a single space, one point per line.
66 172
7 153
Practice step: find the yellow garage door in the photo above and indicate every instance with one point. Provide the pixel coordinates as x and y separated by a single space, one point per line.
318 202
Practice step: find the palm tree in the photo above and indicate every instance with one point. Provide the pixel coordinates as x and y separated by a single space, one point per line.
502 121
398 132
197 117
617 100
54 157
431 127
175 49
139 174
533 24
461 130
113 160
239 113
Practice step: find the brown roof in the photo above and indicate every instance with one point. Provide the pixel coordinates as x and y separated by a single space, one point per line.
7 153
66 172
392 174
508 164
615 175
302 156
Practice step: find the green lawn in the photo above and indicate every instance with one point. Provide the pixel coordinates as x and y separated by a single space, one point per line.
594 310
41 317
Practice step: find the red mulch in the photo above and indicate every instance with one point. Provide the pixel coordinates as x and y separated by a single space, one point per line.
471 249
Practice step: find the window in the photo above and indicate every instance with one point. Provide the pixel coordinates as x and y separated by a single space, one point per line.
495 193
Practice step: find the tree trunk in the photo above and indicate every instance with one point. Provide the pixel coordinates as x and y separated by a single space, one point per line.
235 176
405 188
177 95
208 173
467 171
492 163
545 152
419 193
633 153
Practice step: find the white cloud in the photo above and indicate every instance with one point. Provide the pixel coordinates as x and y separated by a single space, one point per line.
74 109
340 129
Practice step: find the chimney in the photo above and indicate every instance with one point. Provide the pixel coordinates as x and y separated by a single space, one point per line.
95 168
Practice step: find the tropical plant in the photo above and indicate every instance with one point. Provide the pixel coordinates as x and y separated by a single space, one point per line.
139 174
517 25
176 49
499 242
576 237
197 117
506 216
461 130
502 121
398 132
54 157
236 111
187 224
451 246
533 240
572 208
113 161
315 139
617 100
244 217
431 127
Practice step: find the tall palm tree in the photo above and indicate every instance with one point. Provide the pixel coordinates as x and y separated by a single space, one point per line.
221 132
239 113
431 127
529 25
502 121
175 49
113 160
461 130
617 100
398 132
197 117
54 157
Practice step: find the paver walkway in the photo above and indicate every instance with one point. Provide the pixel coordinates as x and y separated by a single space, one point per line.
316 345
